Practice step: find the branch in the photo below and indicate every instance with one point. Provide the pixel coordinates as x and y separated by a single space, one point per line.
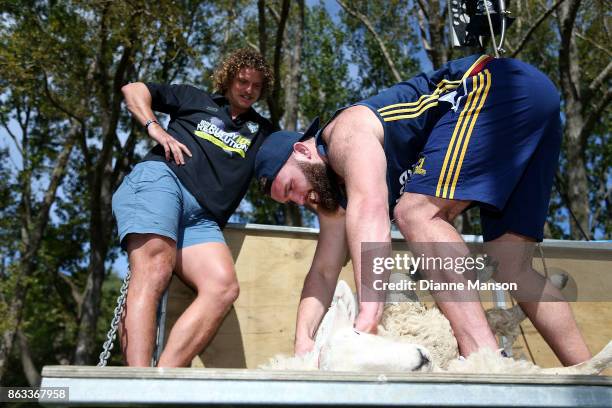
263 36
423 8
126 160
57 104
12 135
601 77
85 149
421 16
593 43
55 179
568 19
380 42
531 30
274 13
75 292
594 116
253 46
115 107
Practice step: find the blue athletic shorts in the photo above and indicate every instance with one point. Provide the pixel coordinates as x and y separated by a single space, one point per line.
151 200
498 147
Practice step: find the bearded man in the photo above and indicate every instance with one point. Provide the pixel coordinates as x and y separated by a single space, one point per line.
477 132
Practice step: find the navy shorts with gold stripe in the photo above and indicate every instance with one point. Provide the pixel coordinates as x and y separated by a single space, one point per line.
497 147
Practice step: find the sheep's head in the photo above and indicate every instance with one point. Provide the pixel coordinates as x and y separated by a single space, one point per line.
342 348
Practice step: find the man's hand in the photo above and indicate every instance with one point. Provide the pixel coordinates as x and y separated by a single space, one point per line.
171 145
369 316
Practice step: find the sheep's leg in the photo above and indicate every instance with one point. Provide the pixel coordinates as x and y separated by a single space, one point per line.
595 365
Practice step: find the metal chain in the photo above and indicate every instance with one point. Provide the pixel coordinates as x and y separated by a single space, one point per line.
112 333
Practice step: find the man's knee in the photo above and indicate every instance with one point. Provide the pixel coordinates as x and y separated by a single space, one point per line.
215 280
231 293
153 258
225 290
412 210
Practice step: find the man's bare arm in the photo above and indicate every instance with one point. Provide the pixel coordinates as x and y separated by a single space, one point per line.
138 100
320 282
356 153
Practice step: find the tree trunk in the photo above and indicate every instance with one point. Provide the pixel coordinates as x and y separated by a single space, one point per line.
90 309
276 111
15 313
295 72
437 50
33 228
293 215
29 368
101 182
575 142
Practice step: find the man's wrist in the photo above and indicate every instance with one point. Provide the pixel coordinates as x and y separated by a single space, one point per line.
149 122
370 310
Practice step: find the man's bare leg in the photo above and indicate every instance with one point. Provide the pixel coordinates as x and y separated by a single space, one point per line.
425 219
209 269
554 320
151 260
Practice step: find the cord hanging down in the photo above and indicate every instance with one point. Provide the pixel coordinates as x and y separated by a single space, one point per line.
471 21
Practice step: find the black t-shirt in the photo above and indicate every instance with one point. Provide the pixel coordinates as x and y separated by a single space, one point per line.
219 173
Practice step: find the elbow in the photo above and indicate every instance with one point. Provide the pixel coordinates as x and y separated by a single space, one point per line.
125 89
129 89
135 94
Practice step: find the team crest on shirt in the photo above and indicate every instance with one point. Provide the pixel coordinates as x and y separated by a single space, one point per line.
418 168
253 127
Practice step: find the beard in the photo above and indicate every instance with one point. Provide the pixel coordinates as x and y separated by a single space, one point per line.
322 179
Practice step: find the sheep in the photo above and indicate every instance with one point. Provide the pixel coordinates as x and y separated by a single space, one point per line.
411 338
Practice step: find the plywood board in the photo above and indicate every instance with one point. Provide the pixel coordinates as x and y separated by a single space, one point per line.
271 266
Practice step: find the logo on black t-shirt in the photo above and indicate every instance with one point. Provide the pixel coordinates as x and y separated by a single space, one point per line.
253 127
232 142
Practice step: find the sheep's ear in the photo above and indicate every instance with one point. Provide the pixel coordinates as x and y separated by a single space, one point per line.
344 296
336 315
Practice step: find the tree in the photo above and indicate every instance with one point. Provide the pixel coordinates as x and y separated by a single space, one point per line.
566 39
382 43
108 45
41 158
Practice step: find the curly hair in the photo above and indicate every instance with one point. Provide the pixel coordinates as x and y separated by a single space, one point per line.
239 59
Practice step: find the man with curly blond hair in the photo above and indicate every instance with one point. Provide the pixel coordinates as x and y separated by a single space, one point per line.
170 209
242 58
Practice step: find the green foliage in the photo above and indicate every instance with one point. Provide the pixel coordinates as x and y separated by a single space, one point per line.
326 82
593 50
392 22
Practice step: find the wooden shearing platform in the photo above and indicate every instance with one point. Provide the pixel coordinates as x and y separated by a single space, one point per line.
271 263
120 386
